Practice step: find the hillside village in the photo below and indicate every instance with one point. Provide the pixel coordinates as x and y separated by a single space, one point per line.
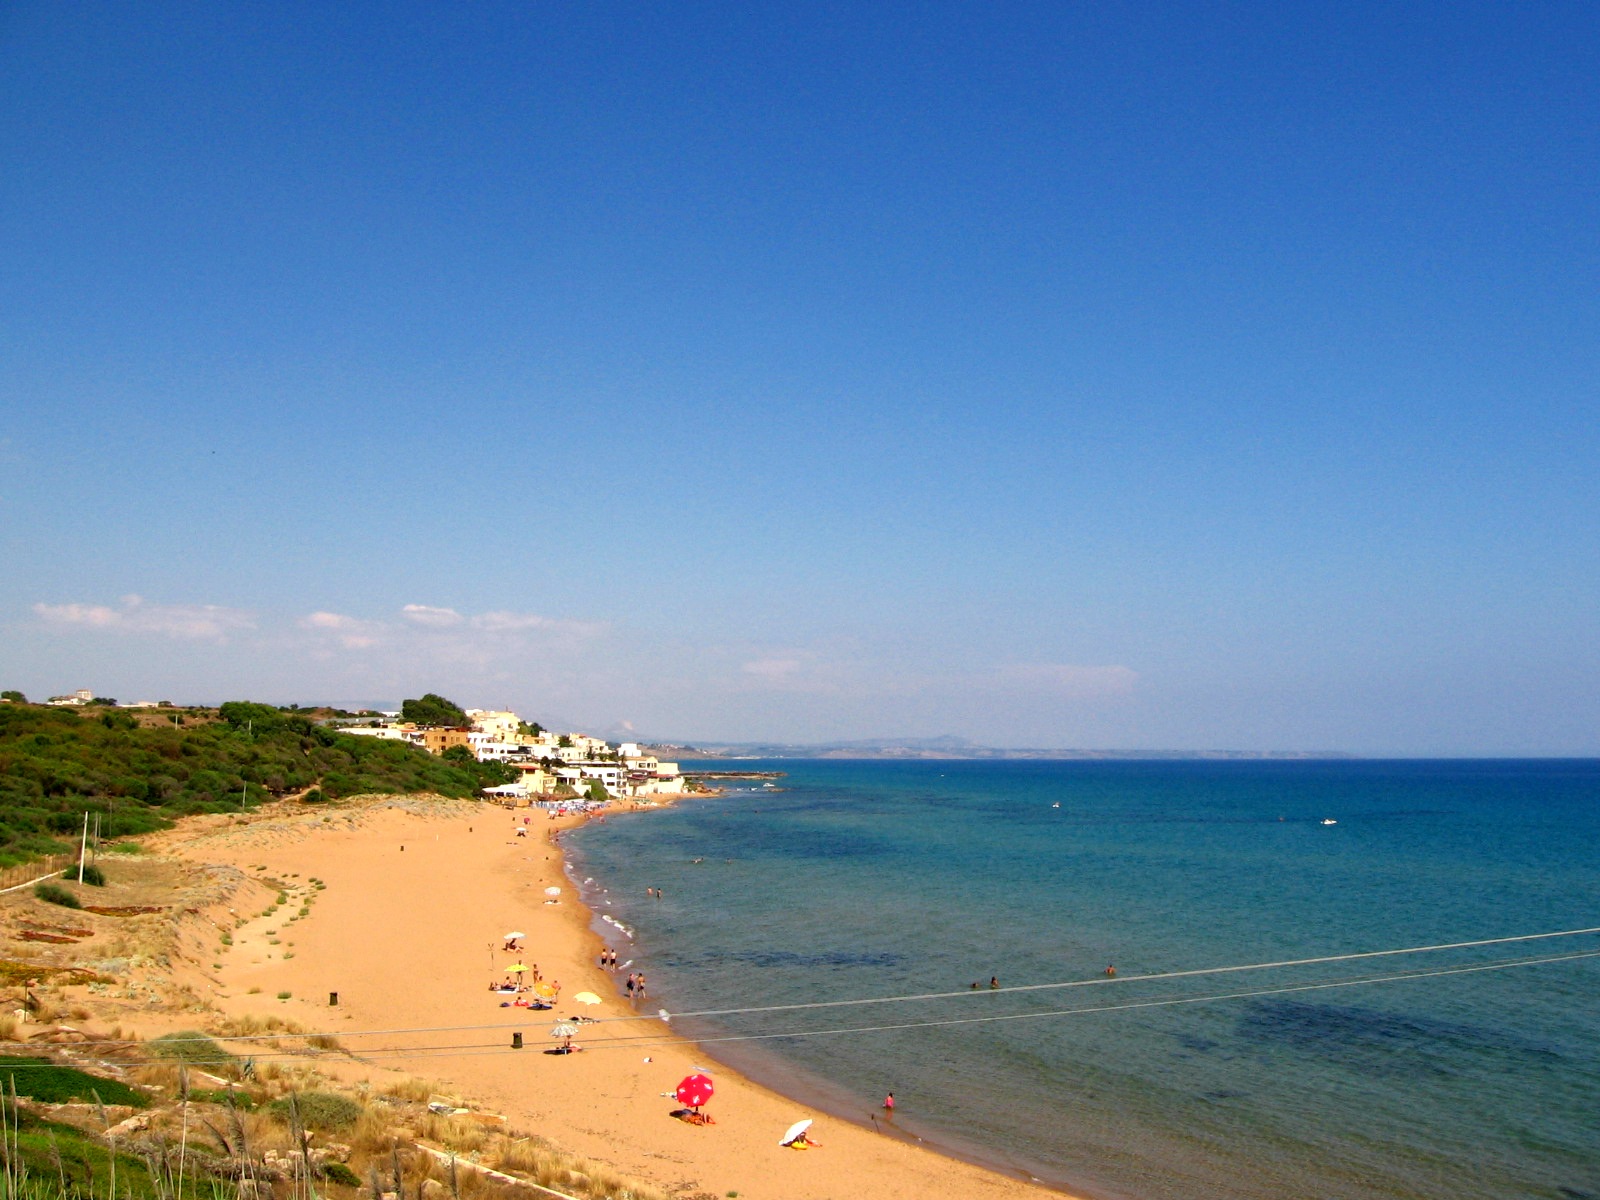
551 766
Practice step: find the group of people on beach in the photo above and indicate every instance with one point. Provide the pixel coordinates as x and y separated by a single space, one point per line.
634 988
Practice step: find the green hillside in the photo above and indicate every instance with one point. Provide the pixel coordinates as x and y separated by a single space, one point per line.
56 764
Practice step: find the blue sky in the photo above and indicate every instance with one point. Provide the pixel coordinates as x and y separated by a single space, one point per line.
1185 376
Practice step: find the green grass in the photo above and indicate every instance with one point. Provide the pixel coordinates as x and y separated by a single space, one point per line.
41 1079
60 1162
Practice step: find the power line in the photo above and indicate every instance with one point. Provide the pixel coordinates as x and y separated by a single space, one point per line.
649 1041
1101 981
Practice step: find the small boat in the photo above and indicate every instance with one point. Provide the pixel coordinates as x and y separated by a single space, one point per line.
1057 804
1329 821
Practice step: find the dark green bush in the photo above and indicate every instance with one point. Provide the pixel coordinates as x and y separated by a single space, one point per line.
337 1172
51 894
93 876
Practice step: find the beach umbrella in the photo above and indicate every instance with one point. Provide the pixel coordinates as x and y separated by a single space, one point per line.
795 1131
514 934
587 998
546 990
564 1030
552 891
694 1091
517 968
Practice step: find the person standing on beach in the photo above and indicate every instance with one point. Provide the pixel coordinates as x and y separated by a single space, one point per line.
638 987
888 1104
633 982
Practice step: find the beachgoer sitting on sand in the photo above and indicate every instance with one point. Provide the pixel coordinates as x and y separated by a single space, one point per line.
802 1142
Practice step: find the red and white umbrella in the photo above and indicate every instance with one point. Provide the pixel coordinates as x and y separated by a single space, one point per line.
694 1091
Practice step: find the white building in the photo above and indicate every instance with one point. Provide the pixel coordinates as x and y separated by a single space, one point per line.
502 726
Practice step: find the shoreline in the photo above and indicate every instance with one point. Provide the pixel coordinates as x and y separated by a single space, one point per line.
410 925
814 1091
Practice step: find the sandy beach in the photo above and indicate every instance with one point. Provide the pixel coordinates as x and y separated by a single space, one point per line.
408 930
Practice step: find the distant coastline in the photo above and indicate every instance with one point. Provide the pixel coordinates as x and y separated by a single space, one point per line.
955 748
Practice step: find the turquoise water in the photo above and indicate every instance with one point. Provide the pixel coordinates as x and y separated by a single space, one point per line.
876 879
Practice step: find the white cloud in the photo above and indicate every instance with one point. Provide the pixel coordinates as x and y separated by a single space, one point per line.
190 622
433 618
513 622
444 635
351 632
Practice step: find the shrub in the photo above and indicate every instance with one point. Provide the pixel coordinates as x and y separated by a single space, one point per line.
319 1110
314 796
51 894
93 876
189 1046
337 1172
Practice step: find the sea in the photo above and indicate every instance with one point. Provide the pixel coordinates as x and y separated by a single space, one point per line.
833 933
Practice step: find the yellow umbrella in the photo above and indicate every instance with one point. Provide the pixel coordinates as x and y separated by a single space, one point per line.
545 990
517 968
587 998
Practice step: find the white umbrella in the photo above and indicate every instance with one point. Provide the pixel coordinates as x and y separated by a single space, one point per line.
795 1131
552 891
563 1030
514 934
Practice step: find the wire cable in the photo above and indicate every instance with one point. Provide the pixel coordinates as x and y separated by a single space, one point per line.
650 1041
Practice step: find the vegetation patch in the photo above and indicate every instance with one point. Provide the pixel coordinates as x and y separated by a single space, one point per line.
318 1110
14 973
56 764
93 876
189 1046
52 894
52 1160
228 1098
41 1079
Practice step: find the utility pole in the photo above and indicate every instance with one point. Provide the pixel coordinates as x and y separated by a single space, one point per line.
83 846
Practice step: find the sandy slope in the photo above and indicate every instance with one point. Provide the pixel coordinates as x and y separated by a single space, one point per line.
406 931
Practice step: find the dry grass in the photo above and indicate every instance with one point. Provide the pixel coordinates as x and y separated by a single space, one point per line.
541 1162
412 1088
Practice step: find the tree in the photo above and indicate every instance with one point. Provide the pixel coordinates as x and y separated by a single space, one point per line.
564 741
245 714
597 792
461 756
432 709
14 696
